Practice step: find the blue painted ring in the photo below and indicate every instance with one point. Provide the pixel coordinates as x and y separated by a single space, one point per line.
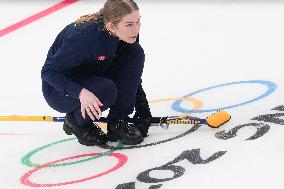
271 87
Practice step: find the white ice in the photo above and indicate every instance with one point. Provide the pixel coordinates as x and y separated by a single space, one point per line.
189 46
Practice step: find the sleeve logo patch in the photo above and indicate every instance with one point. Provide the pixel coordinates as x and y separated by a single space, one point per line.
101 58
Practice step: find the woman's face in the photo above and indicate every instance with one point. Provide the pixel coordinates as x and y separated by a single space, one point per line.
128 28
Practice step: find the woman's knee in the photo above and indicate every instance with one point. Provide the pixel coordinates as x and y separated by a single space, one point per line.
101 87
60 102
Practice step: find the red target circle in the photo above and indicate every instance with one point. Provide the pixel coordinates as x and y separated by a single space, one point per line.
122 159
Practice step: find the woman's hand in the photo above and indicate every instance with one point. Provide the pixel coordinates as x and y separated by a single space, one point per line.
90 104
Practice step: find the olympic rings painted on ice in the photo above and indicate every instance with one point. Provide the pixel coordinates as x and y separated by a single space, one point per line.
26 159
122 159
271 87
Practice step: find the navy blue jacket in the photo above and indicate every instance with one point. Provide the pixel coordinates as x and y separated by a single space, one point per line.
78 51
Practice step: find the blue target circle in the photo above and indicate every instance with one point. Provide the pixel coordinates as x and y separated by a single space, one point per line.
271 87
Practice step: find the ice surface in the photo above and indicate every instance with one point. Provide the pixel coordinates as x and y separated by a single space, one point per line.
189 47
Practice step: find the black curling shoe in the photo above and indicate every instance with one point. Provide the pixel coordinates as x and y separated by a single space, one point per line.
88 136
120 129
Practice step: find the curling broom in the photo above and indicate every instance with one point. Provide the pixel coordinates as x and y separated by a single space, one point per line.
215 120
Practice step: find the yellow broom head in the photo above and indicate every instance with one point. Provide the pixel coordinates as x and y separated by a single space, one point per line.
217 119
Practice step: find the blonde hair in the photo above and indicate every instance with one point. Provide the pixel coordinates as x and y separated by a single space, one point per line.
113 11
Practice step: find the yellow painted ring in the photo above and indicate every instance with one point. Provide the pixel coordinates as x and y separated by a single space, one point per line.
197 104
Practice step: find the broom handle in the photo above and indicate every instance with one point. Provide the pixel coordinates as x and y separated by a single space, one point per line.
215 120
154 120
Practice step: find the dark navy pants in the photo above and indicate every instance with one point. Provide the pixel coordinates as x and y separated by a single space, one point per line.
116 89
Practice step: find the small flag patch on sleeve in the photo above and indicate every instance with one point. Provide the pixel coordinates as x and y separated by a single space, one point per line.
101 58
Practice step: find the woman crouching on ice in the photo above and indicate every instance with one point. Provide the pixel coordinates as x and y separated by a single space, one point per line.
94 64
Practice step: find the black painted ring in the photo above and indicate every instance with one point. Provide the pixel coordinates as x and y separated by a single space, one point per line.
191 130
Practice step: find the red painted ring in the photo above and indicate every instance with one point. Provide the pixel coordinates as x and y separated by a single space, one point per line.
122 159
